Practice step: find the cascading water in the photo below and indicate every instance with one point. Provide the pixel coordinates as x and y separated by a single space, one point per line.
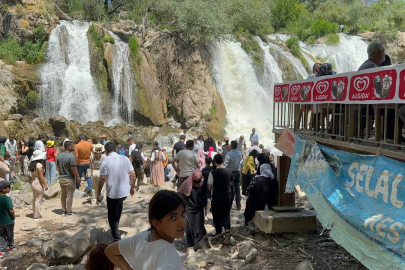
68 88
248 98
246 101
123 82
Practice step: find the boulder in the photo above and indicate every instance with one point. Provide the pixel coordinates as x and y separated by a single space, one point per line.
38 266
53 191
305 265
34 242
79 194
198 258
29 226
126 220
62 250
251 256
245 249
102 223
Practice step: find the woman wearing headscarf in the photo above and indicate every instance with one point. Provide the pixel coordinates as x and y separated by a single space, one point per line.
157 174
195 192
249 170
210 143
262 190
211 152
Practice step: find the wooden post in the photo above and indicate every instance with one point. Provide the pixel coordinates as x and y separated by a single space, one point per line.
283 167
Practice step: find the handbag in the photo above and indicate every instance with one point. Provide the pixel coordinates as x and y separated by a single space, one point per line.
89 173
251 186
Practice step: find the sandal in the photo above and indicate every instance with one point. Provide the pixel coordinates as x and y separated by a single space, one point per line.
227 240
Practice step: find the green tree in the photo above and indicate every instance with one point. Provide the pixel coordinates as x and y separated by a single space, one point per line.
332 11
284 12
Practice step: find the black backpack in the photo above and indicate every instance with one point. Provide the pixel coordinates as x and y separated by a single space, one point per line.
136 159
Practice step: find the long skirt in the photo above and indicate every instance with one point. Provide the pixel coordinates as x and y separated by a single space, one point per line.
157 174
24 165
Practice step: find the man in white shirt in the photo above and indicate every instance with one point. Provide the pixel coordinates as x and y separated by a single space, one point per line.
132 146
39 144
187 162
119 175
11 147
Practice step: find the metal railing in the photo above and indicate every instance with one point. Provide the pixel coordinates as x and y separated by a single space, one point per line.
372 124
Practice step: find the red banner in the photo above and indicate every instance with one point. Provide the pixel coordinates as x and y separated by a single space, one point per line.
401 90
301 92
372 86
331 90
281 92
379 85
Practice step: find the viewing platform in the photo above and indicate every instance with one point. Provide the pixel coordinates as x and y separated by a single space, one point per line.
355 112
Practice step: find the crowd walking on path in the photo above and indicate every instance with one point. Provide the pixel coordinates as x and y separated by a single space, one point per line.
208 177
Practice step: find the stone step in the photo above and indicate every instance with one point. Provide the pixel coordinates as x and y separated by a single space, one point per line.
283 222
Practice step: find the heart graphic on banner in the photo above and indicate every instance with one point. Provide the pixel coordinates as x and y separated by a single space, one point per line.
322 87
295 89
278 91
361 83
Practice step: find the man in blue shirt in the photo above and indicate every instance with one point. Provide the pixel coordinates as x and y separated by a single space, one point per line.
232 162
254 137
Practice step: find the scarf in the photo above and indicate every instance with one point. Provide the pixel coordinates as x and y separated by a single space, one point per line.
210 150
201 158
195 179
265 171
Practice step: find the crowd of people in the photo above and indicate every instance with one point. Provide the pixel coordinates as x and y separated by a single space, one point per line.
208 177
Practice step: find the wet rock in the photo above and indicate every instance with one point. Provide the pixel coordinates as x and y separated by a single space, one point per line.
199 259
29 226
305 265
245 249
34 242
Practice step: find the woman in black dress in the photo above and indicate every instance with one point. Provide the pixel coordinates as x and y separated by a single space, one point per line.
263 190
195 193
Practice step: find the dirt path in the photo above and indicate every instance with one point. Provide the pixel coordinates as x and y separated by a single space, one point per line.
277 251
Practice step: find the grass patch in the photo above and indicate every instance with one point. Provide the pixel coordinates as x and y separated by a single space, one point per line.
97 39
332 39
212 114
294 45
134 48
16 185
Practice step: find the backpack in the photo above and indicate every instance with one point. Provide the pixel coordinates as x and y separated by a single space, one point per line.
136 159
2 150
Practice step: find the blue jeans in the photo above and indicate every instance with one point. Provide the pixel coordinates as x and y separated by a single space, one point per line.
50 172
83 169
166 179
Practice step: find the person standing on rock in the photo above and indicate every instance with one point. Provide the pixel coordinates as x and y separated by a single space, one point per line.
154 249
95 165
232 162
138 160
132 146
39 144
195 193
103 139
254 137
83 152
68 177
119 175
23 158
50 162
157 174
187 162
220 181
178 146
241 145
38 184
7 217
11 147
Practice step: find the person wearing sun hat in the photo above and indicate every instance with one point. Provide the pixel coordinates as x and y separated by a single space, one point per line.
103 139
38 184
50 162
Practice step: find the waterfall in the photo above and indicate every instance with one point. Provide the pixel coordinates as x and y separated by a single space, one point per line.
248 97
67 87
247 103
123 82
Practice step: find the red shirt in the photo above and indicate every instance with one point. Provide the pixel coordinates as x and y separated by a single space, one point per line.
50 154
